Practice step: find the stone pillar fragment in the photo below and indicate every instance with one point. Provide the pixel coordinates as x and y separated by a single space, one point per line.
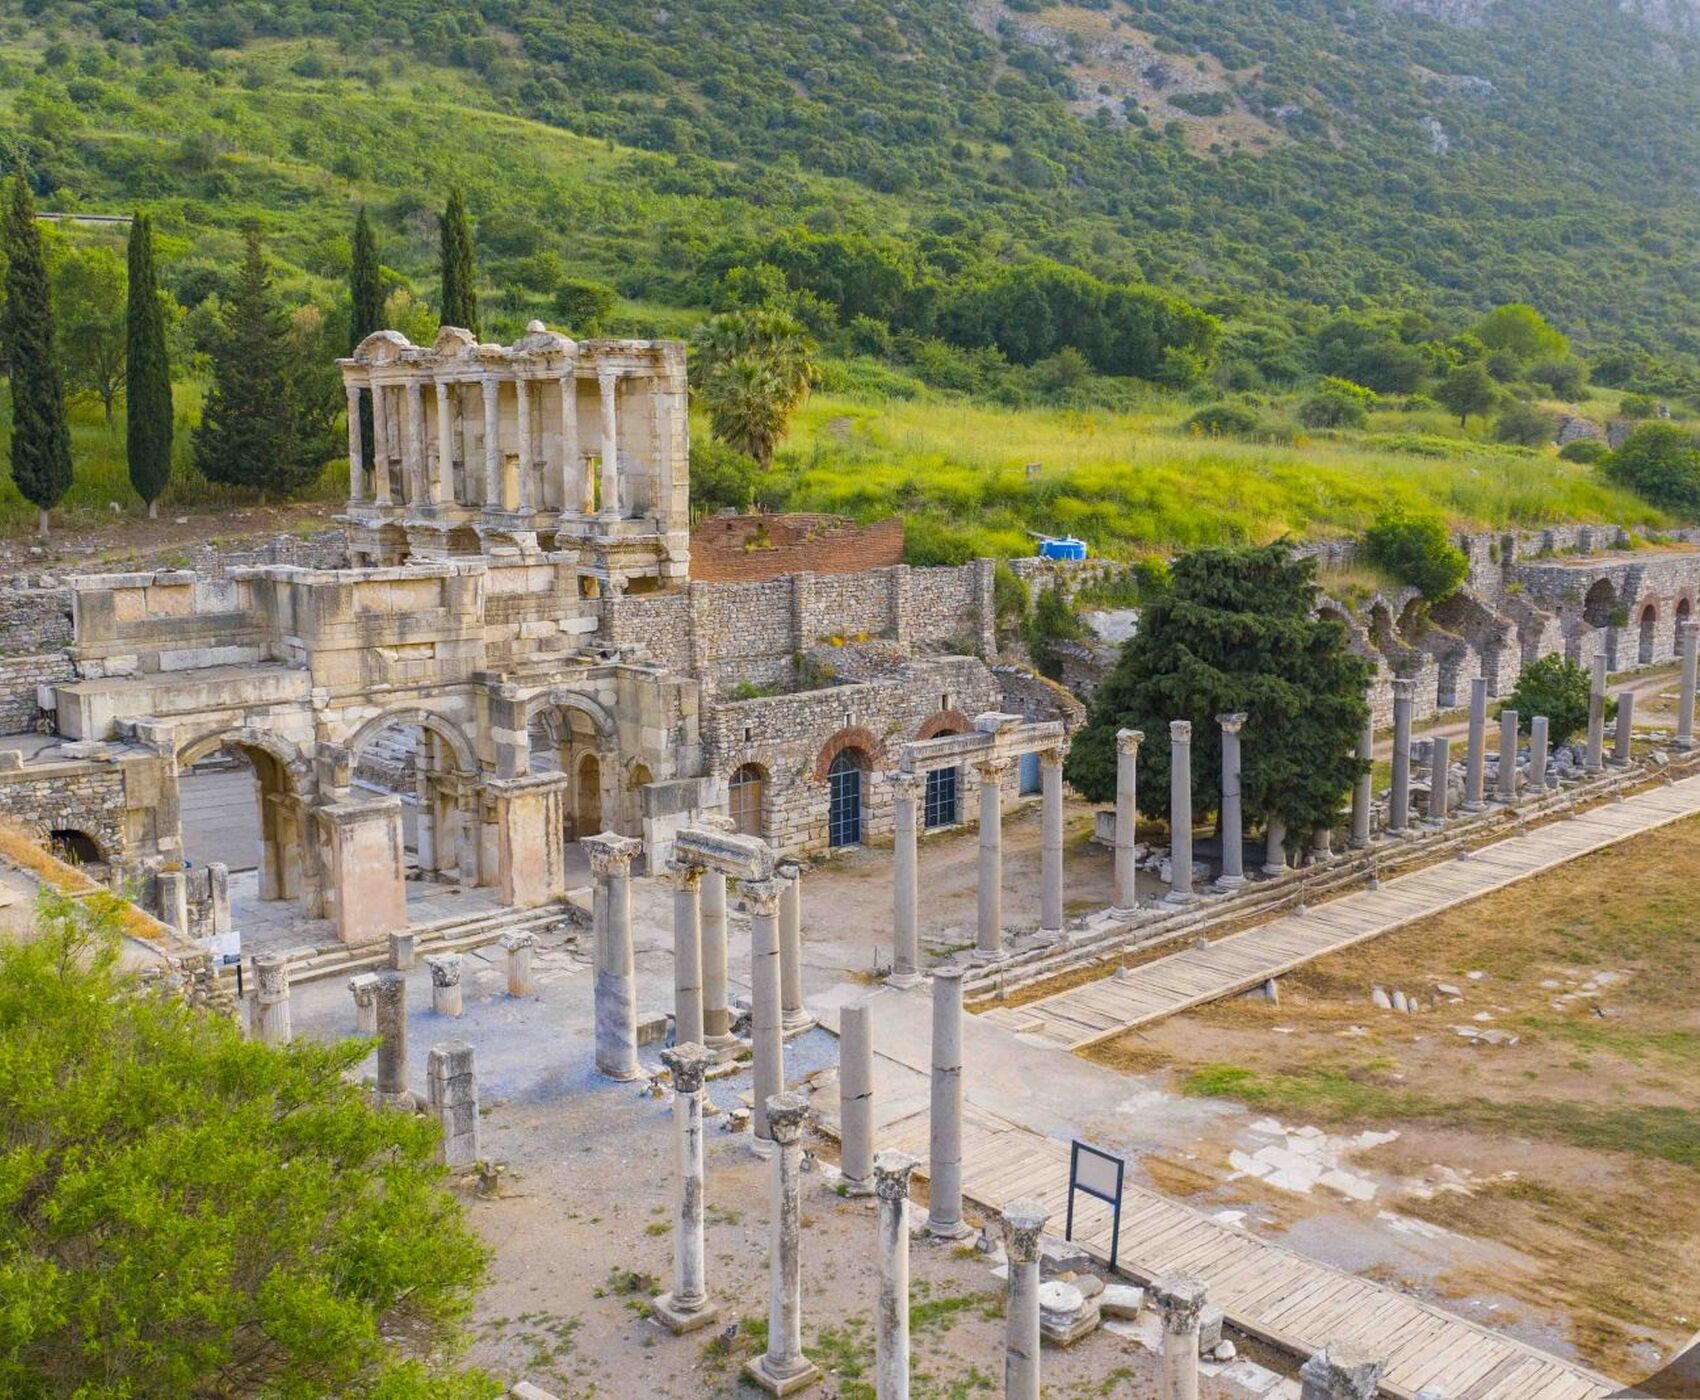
451 1094
522 416
1538 755
392 1041
944 1127
988 935
268 1005
855 1100
519 945
1180 811
616 985
368 888
1475 756
1363 791
1233 820
1275 847
891 1331
445 983
218 895
1181 1302
1505 785
1339 1373
1688 646
1439 778
793 1015
687 953
403 957
783 1369
1126 894
1622 750
716 1013
906 789
364 990
380 445
1399 801
687 1306
1023 1224
415 470
767 1036
1051 839
1595 760
173 891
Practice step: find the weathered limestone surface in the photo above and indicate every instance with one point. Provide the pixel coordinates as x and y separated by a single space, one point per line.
451 1097
1181 1302
269 1020
856 1099
944 1135
392 1041
783 1369
616 981
891 1320
1023 1223
687 1306
445 983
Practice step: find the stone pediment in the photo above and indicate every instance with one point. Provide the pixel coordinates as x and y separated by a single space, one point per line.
382 348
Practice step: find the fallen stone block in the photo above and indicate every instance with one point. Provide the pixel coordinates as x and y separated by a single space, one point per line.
1121 1300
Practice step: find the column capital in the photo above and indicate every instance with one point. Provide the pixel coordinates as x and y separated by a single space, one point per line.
515 939
1231 723
761 895
787 868
1403 687
1180 731
1343 1372
907 785
689 1064
682 876
1181 1301
445 969
610 854
991 770
1051 757
891 1173
271 977
785 1115
1129 740
1023 1223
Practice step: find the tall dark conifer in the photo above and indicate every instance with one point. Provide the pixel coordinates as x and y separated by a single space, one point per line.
41 436
460 295
148 426
366 300
248 433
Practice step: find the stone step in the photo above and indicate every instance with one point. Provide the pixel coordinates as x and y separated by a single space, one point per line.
462 933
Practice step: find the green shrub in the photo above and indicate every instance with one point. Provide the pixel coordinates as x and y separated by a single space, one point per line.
1525 425
722 478
582 305
1416 550
1638 406
1661 464
1346 389
1332 410
1556 688
1584 450
1225 420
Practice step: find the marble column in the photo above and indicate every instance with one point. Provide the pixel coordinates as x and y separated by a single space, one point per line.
855 1100
391 997
492 444
1622 752
416 471
1340 1373
1505 785
686 881
1126 894
616 985
1363 791
783 1369
988 938
1275 847
364 990
578 493
268 1011
1399 803
380 445
687 1307
519 944
1233 819
906 791
1438 775
445 971
944 1120
767 1037
1594 760
609 383
891 1325
451 1099
1180 811
1023 1223
1181 1303
1475 756
716 1013
1688 645
1538 755
1051 837
522 414
442 487
792 1015
356 458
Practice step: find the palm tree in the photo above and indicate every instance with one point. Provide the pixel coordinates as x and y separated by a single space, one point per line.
748 405
752 370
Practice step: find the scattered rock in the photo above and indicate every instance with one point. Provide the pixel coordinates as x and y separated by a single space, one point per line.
1209 1329
1446 989
1224 1350
1379 999
1121 1300
1400 1004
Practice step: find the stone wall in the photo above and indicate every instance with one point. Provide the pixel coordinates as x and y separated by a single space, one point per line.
85 797
754 548
19 677
35 616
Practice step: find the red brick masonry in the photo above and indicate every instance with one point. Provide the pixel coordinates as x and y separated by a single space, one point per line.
755 548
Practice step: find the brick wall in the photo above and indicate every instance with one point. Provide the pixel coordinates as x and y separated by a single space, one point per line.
754 548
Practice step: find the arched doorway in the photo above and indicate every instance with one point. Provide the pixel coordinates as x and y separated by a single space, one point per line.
846 779
241 803
587 797
1601 609
1684 613
74 847
568 741
424 760
1649 634
747 795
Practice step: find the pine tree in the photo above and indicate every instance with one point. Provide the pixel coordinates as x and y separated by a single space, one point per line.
460 295
247 435
41 436
366 297
148 429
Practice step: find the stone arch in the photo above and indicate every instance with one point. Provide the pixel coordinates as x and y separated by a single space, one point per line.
852 736
466 760
944 722
288 860
1647 621
748 790
1600 605
1682 613
565 698
75 846
453 836
287 755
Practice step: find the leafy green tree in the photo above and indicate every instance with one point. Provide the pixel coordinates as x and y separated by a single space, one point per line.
1661 464
1466 390
1558 689
88 307
1526 425
584 306
1234 630
1332 409
722 478
1567 378
459 300
149 424
185 1212
1638 407
366 310
1523 331
752 369
1416 550
249 433
41 436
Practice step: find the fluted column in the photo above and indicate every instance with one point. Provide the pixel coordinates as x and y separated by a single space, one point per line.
1023 1223
356 457
687 1306
783 1369
1688 643
1595 760
686 881
1363 791
608 381
268 1011
1127 817
944 1127
1399 802
767 1039
616 982
1180 811
891 1327
716 1014
1233 820
442 486
906 790
988 939
1051 836
1475 756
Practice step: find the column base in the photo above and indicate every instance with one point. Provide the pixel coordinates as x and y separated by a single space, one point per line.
757 1373
724 1045
1274 871
1115 911
1229 882
1049 935
1357 845
761 1147
1472 807
987 955
904 980
1684 744
857 1188
622 1076
795 1023
961 1230
1179 897
679 1320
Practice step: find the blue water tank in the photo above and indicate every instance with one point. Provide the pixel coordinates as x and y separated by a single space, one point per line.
1065 548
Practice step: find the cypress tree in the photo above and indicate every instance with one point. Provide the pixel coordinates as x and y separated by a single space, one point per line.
148 428
460 296
366 310
247 435
41 436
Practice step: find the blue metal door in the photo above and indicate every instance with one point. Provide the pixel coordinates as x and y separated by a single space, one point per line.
1029 774
844 812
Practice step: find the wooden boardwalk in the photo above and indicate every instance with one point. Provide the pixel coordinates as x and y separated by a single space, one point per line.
1262 1289
1138 996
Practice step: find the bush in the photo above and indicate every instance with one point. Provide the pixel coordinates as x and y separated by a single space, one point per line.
1638 406
1525 425
1584 450
722 478
1224 420
1417 550
1345 388
1661 464
1332 410
1566 378
583 306
1556 688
